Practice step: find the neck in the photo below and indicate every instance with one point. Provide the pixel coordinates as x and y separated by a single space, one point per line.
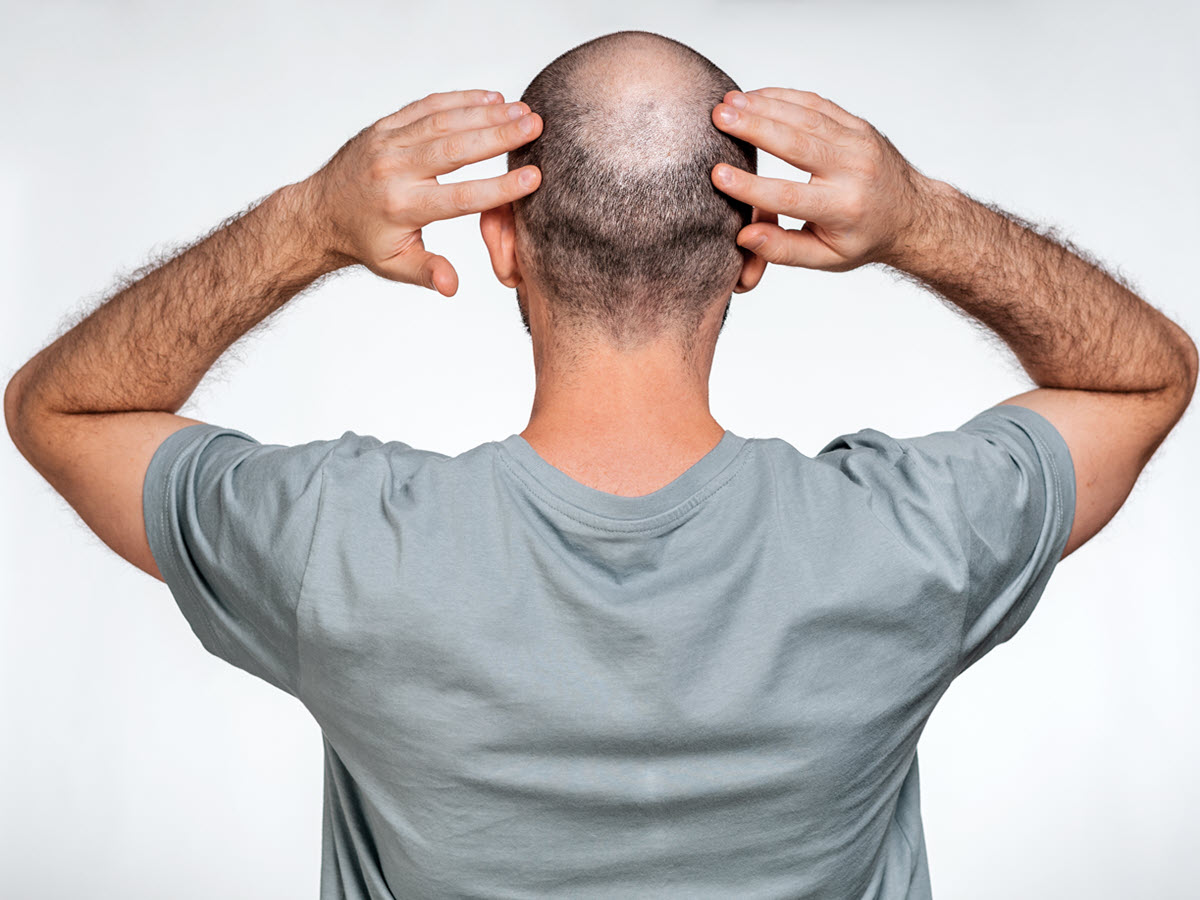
625 420
622 420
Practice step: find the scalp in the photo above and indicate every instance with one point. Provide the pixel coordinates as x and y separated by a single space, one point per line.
626 231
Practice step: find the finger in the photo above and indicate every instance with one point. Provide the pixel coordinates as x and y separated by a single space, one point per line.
802 149
752 273
792 198
445 154
789 246
803 118
434 102
762 215
445 201
813 101
429 270
459 118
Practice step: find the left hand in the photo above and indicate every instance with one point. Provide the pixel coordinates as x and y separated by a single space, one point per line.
371 200
863 202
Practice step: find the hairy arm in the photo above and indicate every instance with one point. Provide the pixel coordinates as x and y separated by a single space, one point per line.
147 347
90 409
1070 323
1114 374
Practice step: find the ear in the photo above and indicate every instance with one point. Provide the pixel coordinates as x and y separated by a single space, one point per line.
753 265
500 235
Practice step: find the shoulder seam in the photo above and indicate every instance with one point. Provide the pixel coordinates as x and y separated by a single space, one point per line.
312 541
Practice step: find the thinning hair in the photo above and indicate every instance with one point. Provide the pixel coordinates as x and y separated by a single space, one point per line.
626 236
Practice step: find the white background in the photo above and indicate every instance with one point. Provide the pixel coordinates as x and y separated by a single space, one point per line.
136 765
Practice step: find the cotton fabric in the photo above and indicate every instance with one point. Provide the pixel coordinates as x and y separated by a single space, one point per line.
530 688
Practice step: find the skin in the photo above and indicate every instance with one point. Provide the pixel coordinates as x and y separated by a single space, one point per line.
1114 374
622 422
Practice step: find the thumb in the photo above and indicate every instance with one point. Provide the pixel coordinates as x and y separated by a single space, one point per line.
416 265
437 274
788 246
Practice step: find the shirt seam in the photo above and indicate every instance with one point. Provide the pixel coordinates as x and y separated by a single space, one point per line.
312 542
175 552
1045 451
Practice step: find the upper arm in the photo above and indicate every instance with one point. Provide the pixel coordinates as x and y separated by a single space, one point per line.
98 463
1111 437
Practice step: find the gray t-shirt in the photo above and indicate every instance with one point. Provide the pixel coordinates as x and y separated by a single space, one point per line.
530 688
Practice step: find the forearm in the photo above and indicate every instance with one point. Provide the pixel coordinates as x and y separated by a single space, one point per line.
149 346
1070 324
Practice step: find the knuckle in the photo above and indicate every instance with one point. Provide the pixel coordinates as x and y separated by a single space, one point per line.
864 142
800 145
773 251
814 120
394 203
462 197
453 148
414 106
379 169
439 122
854 207
789 195
865 164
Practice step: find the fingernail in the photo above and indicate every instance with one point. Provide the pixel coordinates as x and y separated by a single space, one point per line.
738 100
527 178
491 97
728 116
724 175
527 124
515 111
755 242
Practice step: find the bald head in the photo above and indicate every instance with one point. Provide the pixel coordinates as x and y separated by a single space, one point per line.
626 236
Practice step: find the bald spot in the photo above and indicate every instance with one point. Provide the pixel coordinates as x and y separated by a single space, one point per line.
626 236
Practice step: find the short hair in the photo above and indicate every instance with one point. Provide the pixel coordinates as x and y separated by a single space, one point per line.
626 235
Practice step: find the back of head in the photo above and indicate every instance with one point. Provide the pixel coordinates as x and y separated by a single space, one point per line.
626 236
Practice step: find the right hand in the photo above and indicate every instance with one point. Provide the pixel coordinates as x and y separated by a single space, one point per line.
864 202
377 193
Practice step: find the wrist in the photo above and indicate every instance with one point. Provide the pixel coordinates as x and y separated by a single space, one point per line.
936 217
311 236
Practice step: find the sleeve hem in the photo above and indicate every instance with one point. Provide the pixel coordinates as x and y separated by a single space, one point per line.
157 497
1053 449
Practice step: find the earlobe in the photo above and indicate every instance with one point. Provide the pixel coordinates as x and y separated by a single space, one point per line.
500 235
753 267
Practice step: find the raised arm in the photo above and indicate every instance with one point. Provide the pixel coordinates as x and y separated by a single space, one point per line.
90 409
1114 374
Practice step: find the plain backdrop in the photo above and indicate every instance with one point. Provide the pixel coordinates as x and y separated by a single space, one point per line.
136 765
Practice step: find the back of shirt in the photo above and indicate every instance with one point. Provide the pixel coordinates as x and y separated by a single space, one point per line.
531 688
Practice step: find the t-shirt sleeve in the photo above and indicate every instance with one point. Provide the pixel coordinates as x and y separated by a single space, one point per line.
995 497
230 522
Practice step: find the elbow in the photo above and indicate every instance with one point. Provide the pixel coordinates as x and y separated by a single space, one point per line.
1191 368
12 406
12 403
1178 392
18 413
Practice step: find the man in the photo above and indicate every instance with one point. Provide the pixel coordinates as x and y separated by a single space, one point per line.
625 652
